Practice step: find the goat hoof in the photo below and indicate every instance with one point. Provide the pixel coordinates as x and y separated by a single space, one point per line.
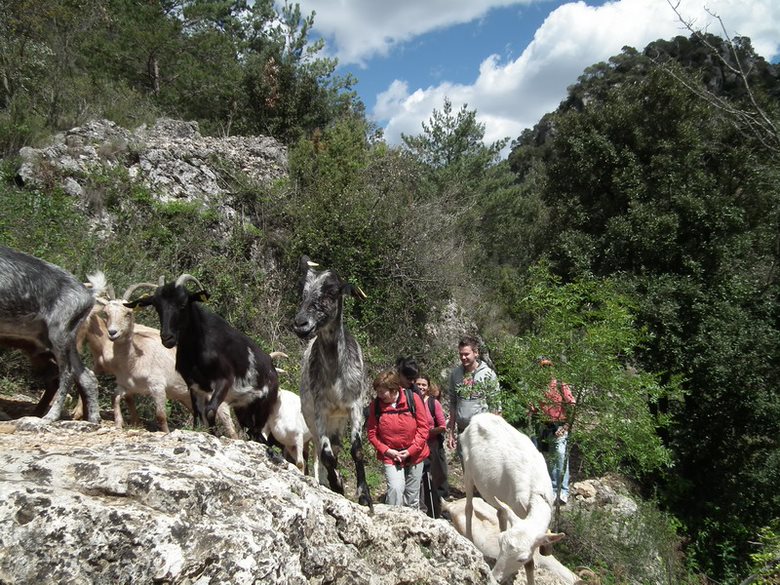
275 457
365 500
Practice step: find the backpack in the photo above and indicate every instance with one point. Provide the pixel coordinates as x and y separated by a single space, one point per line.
410 404
432 408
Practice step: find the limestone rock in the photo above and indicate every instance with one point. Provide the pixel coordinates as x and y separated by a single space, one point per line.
170 158
85 503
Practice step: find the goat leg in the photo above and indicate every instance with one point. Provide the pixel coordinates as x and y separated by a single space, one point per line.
330 460
119 393
529 572
364 494
197 411
135 420
217 397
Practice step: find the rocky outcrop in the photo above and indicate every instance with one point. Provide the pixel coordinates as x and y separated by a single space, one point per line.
84 503
170 158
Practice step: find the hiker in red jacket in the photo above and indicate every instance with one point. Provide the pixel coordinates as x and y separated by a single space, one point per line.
398 429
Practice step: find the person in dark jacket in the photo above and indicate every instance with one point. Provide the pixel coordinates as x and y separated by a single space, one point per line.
400 437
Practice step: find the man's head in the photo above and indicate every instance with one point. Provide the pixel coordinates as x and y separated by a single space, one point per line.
408 370
468 352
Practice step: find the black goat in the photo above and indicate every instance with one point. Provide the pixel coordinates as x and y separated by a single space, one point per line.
42 308
218 362
333 379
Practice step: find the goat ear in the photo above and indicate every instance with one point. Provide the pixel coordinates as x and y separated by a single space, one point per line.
305 264
546 541
143 301
354 290
201 296
511 517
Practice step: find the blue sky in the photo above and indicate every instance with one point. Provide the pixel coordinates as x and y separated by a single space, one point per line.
510 60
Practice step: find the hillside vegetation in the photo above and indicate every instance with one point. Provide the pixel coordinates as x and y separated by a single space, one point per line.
632 234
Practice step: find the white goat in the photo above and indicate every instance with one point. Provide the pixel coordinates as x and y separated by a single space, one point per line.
486 532
286 425
133 354
510 475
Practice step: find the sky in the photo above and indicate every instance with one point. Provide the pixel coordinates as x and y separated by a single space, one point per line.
510 60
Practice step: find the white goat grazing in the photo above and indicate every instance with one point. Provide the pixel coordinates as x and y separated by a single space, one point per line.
133 354
486 532
511 475
286 425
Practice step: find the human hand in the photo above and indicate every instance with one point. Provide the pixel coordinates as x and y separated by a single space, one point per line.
451 439
403 456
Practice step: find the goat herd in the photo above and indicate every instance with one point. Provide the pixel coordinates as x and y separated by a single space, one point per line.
199 360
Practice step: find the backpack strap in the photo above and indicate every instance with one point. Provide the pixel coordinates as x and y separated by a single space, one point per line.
410 402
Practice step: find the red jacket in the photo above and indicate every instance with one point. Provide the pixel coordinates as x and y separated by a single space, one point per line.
398 429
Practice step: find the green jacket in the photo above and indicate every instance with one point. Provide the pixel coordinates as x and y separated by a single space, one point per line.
470 394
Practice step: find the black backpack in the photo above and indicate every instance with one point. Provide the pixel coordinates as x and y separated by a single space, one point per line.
411 406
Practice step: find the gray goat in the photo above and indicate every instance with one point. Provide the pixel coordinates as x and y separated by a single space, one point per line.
42 308
332 375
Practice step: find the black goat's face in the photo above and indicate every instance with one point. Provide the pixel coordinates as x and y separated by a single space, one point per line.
172 303
320 302
171 307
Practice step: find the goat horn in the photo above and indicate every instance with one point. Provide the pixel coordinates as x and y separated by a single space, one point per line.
311 264
131 289
161 281
110 291
278 355
184 278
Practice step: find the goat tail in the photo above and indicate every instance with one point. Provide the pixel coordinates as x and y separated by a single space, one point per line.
97 283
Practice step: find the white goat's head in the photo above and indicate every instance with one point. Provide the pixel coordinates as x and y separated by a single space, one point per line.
120 319
517 545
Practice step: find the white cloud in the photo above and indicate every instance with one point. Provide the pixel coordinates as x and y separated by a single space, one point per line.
363 29
510 96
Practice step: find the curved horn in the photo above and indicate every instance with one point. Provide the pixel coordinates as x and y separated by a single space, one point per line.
131 289
184 278
161 281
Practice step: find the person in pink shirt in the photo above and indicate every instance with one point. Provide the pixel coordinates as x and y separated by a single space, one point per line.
558 399
437 461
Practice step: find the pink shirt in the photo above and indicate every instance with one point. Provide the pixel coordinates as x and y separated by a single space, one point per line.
554 399
438 420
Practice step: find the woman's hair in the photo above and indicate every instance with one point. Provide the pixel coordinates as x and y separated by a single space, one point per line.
408 367
424 377
388 379
434 389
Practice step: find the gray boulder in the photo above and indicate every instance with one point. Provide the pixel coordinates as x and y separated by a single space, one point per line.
84 503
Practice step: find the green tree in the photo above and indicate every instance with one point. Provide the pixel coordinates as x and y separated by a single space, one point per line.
452 150
647 184
347 208
589 329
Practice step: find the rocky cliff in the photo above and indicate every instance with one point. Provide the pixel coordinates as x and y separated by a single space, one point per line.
170 158
84 503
